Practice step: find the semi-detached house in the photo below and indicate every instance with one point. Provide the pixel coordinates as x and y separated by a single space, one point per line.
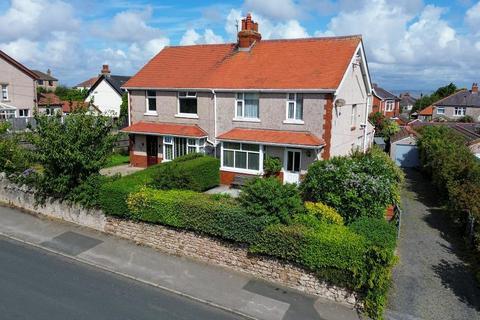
300 100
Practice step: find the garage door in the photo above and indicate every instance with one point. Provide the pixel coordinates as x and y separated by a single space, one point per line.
406 155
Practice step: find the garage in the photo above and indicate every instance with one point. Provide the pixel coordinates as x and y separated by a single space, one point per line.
404 150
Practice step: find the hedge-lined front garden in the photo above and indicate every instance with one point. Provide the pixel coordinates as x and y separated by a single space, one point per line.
272 219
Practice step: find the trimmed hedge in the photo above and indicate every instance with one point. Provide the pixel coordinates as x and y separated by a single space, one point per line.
217 216
113 194
191 172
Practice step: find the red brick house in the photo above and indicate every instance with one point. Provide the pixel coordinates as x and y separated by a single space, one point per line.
385 102
300 100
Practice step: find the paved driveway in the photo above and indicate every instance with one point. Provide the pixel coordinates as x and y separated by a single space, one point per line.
432 279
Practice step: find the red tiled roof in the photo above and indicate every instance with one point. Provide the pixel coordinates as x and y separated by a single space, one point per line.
48 99
162 128
313 63
70 106
428 111
276 137
87 83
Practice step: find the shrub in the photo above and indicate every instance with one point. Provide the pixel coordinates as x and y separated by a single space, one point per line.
271 166
377 232
356 186
13 158
216 216
323 212
269 197
87 194
113 194
191 172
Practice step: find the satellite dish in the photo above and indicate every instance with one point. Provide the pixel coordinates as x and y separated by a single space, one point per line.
339 103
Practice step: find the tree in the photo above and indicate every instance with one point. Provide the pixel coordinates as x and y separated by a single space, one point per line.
123 117
13 158
428 100
384 126
68 94
70 150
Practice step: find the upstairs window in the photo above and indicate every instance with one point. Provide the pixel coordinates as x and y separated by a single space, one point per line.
353 119
151 101
390 105
4 92
295 106
460 111
247 105
187 102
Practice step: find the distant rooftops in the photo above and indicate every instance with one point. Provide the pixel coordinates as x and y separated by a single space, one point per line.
383 94
44 76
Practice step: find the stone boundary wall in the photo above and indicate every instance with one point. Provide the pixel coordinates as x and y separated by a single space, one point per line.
181 243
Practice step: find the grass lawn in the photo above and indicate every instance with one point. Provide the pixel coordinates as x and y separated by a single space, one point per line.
116 160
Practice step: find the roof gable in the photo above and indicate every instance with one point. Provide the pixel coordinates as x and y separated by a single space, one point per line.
384 94
18 65
116 82
313 63
460 98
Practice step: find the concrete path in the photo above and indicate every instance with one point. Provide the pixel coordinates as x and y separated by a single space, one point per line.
36 284
123 170
432 279
235 292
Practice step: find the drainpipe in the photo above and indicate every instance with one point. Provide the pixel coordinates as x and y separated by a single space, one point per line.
365 125
215 116
128 108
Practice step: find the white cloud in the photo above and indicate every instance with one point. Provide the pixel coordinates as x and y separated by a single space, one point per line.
472 17
191 36
274 9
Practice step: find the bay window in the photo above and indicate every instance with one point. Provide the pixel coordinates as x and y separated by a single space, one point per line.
187 102
247 105
241 156
295 106
174 147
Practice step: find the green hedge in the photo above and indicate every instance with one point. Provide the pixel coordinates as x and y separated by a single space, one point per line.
217 216
191 172
113 194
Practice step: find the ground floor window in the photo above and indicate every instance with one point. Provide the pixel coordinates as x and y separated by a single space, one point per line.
174 147
460 111
7 114
241 155
23 113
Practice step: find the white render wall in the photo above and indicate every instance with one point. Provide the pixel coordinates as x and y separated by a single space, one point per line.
106 99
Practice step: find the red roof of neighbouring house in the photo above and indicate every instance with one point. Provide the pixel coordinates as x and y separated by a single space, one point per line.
163 128
428 111
87 83
274 137
70 106
313 63
48 99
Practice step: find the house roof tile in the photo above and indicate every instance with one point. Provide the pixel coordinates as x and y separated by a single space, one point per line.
164 128
428 111
48 99
314 63
274 137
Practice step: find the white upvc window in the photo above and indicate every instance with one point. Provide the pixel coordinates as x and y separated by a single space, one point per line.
187 103
440 110
247 105
353 117
244 157
23 113
174 147
295 106
390 105
459 111
151 101
4 95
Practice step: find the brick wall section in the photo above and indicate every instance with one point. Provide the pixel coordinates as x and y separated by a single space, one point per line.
327 127
221 253
138 161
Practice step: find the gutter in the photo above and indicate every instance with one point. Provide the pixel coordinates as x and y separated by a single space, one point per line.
300 90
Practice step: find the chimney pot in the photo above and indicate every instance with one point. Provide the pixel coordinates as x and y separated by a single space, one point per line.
105 70
249 33
475 87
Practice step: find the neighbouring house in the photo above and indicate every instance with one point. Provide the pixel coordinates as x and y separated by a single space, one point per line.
385 102
49 103
70 106
45 80
300 100
106 93
407 102
404 149
454 107
17 88
87 84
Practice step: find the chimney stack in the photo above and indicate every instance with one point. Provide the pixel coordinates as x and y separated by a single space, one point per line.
105 70
249 33
49 72
475 87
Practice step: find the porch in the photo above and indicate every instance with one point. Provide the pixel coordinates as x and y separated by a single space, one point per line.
242 152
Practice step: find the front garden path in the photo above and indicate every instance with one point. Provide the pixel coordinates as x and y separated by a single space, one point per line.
432 279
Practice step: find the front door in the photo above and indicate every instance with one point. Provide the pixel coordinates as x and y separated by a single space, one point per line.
291 168
152 150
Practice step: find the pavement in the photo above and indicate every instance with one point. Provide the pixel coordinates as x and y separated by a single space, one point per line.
223 189
123 170
432 279
224 289
37 284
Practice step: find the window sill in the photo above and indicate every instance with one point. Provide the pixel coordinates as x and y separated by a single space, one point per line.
246 119
186 115
150 114
238 170
293 122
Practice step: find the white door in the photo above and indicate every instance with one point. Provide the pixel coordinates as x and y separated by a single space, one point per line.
291 166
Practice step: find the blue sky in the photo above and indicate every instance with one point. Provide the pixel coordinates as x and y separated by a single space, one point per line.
410 44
